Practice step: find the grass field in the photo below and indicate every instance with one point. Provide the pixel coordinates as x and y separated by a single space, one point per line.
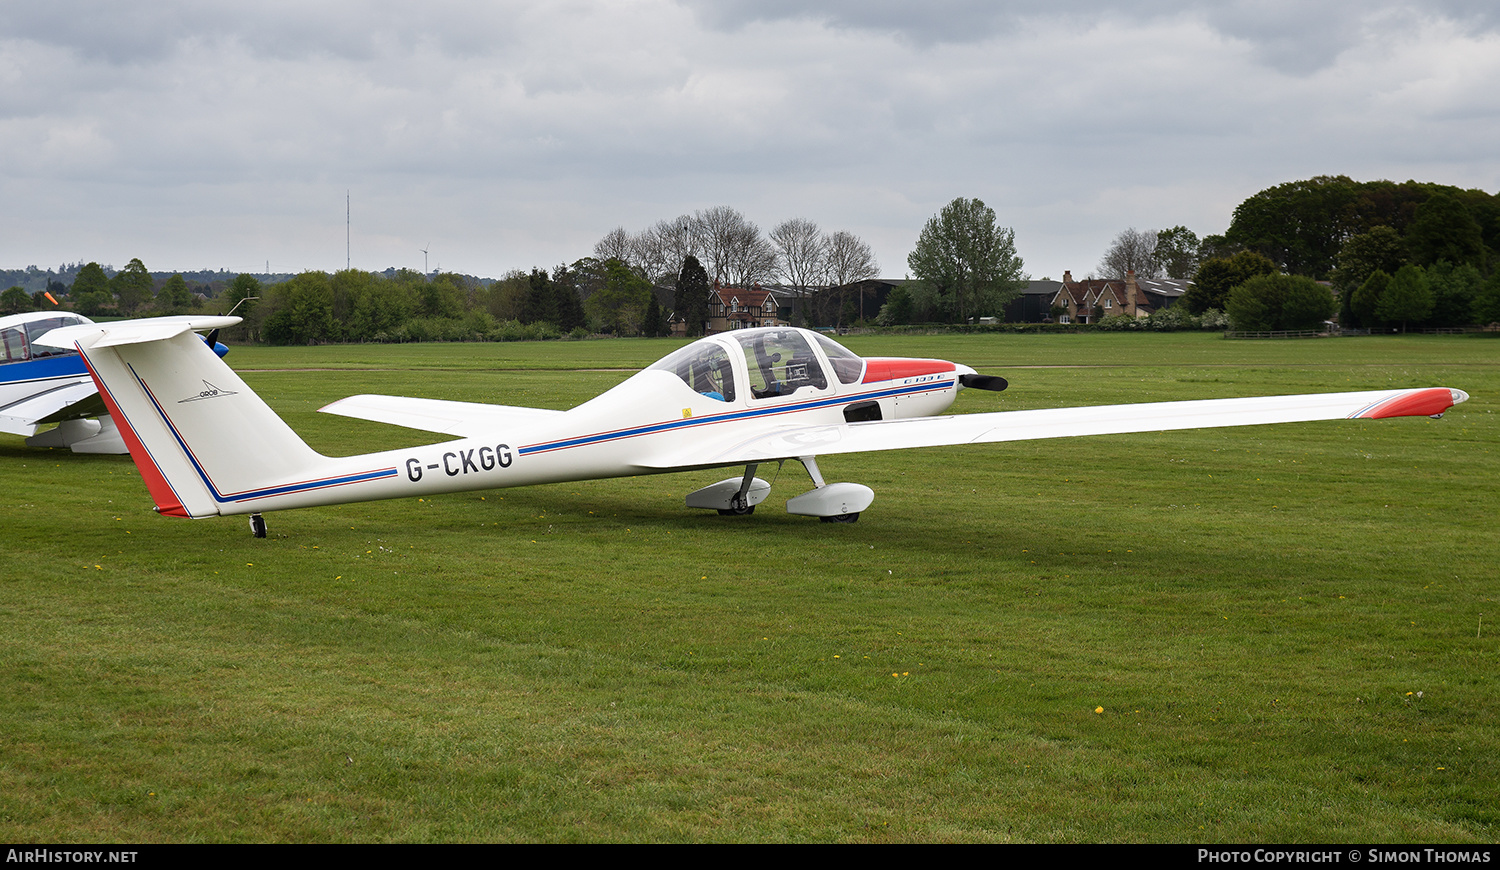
1262 634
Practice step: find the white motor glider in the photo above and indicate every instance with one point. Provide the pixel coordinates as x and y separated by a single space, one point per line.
207 445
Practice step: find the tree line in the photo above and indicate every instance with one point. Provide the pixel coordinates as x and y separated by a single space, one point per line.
132 291
1379 254
964 265
733 251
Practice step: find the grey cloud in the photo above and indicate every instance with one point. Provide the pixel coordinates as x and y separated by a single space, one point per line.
134 33
1294 36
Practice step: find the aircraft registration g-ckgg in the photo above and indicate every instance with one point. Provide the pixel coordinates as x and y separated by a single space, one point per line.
207 445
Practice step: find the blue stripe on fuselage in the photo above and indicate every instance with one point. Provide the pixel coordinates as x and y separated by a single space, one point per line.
691 422
250 495
60 366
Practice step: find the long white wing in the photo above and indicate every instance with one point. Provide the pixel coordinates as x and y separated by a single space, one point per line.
792 441
463 419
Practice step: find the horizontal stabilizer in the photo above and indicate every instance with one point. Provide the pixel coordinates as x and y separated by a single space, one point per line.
463 419
134 331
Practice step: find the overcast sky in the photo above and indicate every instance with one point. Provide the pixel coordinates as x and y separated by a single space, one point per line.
199 134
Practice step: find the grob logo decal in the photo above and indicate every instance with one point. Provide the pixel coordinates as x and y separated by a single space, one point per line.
209 392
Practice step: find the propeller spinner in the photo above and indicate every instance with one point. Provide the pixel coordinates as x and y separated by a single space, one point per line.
993 383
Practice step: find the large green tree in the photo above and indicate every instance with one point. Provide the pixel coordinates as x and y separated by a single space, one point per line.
15 301
301 310
1443 229
1361 254
1486 308
1299 225
1277 302
91 291
1407 299
619 305
174 298
442 295
1381 249
243 287
965 263
570 313
541 301
691 296
1365 301
1219 275
1177 252
132 287
1303 225
1454 289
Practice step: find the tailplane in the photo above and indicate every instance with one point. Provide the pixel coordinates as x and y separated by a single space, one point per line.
201 438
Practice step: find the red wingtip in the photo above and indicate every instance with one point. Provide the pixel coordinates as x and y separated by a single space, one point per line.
1418 403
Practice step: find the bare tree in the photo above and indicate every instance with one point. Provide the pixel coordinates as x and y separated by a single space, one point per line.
719 230
752 259
650 253
803 251
616 245
849 259
733 249
665 247
1132 250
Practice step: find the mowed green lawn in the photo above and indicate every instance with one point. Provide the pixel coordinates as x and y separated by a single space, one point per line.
1279 633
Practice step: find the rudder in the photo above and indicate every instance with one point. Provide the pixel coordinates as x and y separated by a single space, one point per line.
196 431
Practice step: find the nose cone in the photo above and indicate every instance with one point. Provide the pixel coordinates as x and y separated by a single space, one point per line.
970 379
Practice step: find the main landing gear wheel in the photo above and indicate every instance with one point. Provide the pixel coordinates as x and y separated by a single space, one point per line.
257 525
841 518
737 511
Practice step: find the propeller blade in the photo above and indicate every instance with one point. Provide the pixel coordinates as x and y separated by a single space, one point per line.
212 340
993 383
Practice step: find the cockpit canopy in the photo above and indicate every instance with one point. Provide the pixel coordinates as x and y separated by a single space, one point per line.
762 364
19 331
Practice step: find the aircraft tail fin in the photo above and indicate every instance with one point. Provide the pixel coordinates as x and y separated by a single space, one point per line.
200 436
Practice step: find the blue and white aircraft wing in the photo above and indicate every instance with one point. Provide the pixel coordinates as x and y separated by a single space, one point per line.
68 402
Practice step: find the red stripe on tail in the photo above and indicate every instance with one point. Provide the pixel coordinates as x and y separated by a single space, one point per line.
167 502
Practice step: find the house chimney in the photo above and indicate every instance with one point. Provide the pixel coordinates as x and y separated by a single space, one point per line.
1067 276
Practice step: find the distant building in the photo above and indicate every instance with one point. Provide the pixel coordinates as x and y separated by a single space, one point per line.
743 308
1034 304
1092 299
